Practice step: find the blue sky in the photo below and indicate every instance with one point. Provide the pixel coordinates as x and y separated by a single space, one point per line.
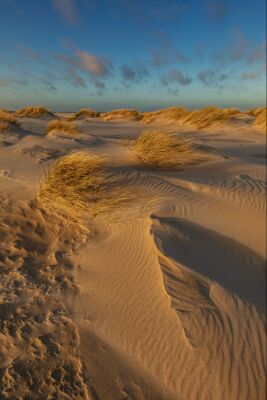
105 54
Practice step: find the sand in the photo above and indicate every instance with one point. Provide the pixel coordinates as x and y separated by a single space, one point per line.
162 299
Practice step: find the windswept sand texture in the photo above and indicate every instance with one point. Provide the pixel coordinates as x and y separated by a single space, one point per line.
159 298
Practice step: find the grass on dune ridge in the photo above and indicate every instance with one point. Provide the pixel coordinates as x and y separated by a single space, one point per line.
172 113
162 149
133 115
7 120
33 111
82 182
61 126
84 113
196 119
260 120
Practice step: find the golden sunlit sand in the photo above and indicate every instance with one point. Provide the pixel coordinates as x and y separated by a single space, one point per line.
133 250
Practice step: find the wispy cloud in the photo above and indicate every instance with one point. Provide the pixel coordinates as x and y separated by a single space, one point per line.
96 66
134 74
83 65
211 78
66 9
175 76
74 78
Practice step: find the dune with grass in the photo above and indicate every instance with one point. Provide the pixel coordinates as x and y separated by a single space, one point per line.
61 127
8 118
172 114
163 149
85 113
260 118
133 260
34 112
121 114
82 182
208 117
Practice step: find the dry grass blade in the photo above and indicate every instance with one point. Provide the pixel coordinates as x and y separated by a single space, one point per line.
57 126
33 111
162 149
82 182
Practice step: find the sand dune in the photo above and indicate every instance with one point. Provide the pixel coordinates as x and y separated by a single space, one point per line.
208 118
121 114
160 298
34 111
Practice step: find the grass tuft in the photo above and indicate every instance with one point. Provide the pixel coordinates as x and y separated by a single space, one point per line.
8 119
197 119
133 115
33 111
82 182
84 113
162 149
209 116
58 126
260 118
172 114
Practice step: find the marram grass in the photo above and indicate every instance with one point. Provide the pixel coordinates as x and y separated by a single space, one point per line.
83 182
33 111
162 149
58 126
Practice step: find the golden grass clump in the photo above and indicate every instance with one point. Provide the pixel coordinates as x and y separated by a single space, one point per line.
171 114
33 111
260 119
85 113
209 116
59 126
8 122
8 118
82 182
162 149
133 115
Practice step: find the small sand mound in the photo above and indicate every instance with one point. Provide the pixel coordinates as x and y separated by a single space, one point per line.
60 127
171 114
84 113
8 119
260 118
132 115
34 111
197 119
162 149
82 182
209 117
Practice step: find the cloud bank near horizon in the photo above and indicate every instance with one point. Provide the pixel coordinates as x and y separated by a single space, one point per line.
111 61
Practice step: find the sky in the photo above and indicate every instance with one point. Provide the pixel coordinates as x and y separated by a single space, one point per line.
106 54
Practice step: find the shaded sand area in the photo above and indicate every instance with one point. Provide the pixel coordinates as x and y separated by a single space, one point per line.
162 298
